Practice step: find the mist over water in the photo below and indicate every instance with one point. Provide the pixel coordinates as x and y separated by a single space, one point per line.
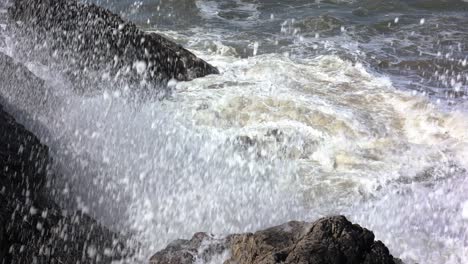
319 109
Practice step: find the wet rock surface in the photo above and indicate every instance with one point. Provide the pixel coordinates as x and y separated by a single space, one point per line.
91 38
33 229
327 240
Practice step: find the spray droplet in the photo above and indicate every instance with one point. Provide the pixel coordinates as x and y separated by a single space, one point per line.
172 83
465 210
91 251
140 67
255 48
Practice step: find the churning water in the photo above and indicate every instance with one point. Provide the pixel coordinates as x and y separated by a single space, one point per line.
321 108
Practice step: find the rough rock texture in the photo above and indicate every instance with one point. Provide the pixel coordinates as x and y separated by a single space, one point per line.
93 38
32 227
331 240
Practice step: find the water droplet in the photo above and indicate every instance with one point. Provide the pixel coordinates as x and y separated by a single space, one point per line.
465 210
255 49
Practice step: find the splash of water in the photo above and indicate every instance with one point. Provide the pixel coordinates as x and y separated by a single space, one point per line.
269 140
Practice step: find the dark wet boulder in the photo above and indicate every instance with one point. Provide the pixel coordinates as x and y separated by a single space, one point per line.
330 240
90 38
23 160
33 229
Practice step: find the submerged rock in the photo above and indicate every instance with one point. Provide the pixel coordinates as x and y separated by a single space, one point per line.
324 24
92 38
328 240
33 229
360 11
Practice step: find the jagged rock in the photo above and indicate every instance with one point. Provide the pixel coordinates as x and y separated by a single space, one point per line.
202 246
90 38
331 240
33 228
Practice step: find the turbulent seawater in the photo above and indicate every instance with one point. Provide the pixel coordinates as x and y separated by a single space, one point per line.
322 107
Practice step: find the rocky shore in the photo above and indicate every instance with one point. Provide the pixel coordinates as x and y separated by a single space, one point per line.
34 229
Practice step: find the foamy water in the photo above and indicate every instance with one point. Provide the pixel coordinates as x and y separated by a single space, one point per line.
272 138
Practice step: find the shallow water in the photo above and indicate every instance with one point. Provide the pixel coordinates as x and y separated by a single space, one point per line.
320 109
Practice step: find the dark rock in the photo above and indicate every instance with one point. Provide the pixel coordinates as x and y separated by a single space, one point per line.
201 247
23 160
328 240
91 38
33 229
